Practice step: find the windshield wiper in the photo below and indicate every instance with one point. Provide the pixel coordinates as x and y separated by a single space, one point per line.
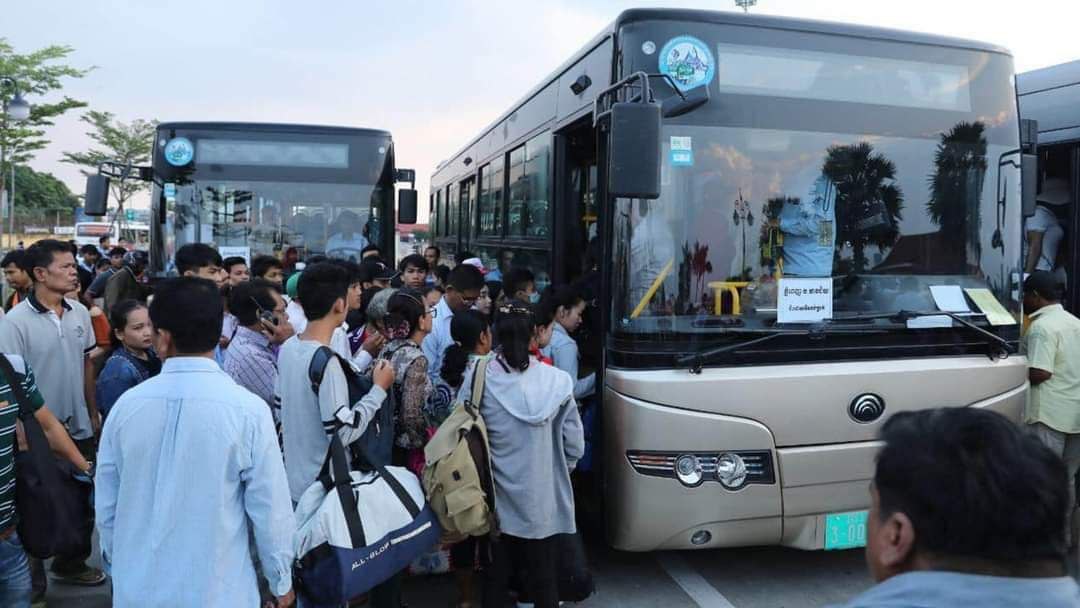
697 360
1000 347
1003 347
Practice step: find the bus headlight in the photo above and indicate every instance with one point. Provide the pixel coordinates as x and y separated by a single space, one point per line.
731 471
688 470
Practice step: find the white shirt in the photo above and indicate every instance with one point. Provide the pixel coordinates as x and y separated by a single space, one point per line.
296 316
436 343
1046 222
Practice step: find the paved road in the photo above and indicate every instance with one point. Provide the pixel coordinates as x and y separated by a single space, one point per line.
765 577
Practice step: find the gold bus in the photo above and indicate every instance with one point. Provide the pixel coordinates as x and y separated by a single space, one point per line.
790 230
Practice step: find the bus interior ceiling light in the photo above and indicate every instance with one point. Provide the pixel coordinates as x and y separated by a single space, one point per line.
578 86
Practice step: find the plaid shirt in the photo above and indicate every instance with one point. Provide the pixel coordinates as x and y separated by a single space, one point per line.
251 362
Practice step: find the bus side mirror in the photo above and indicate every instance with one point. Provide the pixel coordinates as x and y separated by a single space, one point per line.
407 208
1029 180
635 150
97 195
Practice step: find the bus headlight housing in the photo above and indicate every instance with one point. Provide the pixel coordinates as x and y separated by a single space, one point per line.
731 471
688 470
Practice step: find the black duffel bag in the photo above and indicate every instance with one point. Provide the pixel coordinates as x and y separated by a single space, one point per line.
53 507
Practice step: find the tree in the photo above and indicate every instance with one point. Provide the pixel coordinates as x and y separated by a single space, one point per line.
35 74
36 191
126 143
869 203
957 183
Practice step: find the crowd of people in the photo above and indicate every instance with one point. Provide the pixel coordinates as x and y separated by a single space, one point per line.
193 412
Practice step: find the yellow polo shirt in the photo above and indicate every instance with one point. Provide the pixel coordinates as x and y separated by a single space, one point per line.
1053 345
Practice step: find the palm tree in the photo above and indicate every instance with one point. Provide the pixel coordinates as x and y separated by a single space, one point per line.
869 203
957 183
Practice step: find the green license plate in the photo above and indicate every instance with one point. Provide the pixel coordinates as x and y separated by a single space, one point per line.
845 530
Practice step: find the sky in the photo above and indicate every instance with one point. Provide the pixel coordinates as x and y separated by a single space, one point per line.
432 73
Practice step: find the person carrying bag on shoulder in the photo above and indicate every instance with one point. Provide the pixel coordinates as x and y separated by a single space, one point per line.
535 439
43 511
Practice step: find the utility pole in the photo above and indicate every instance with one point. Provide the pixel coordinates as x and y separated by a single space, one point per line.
745 4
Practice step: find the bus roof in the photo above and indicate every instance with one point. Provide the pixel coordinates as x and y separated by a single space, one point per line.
1052 77
804 25
279 127
729 18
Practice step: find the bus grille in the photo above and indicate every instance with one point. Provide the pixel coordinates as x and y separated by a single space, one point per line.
759 464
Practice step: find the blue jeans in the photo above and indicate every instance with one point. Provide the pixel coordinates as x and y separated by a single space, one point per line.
14 574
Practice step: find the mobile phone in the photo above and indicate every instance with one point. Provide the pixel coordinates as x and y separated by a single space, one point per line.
266 316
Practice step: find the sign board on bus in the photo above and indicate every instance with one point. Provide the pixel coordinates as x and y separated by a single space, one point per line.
804 300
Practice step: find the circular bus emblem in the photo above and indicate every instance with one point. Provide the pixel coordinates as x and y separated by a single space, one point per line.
688 62
866 408
179 151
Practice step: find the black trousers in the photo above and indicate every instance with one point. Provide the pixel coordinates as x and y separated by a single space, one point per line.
536 559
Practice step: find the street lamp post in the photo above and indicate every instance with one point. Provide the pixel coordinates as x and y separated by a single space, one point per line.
16 110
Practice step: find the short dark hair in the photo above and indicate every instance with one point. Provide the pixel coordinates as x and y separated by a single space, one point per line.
370 247
320 286
103 238
102 263
194 256
263 263
973 484
191 310
442 272
465 277
41 254
117 251
1045 285
86 250
243 298
15 256
516 279
438 252
414 259
356 275
233 260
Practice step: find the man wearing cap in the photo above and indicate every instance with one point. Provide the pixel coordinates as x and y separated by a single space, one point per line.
126 283
1043 231
1053 348
381 274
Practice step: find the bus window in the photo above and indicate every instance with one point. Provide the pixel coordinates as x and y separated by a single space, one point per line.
491 199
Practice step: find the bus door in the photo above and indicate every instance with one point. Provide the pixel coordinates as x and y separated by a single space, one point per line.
1057 200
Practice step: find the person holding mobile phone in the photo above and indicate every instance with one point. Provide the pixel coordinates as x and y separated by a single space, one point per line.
262 325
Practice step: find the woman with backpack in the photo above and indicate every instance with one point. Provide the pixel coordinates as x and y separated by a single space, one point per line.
472 339
535 440
407 323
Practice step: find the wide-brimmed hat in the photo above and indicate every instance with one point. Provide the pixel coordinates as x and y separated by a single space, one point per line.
1055 191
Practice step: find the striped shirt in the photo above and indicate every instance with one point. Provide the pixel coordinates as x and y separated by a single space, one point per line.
9 412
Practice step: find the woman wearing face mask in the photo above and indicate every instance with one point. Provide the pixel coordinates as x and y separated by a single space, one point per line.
566 306
133 359
535 439
406 325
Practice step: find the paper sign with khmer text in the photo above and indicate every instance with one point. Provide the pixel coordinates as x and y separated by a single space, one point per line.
804 300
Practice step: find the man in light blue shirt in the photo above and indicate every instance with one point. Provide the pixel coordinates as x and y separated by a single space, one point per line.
809 227
188 469
966 509
462 291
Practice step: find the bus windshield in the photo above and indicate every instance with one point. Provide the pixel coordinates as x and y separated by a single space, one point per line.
253 190
890 169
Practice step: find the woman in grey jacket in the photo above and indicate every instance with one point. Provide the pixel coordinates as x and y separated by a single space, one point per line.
535 440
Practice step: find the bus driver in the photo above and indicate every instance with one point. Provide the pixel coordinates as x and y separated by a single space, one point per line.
347 242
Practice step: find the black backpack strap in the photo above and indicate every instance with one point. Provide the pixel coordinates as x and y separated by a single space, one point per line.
16 385
317 368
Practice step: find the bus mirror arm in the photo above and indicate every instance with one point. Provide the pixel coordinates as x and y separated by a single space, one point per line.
407 200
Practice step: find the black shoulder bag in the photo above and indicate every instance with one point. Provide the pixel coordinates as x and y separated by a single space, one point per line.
53 507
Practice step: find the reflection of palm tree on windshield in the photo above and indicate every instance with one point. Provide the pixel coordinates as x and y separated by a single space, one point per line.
957 183
869 203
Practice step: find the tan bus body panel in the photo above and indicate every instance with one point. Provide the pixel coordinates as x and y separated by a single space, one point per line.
823 459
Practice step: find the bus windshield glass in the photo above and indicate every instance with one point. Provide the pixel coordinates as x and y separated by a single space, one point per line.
880 169
265 192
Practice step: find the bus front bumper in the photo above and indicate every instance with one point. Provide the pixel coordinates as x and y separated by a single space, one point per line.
646 511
